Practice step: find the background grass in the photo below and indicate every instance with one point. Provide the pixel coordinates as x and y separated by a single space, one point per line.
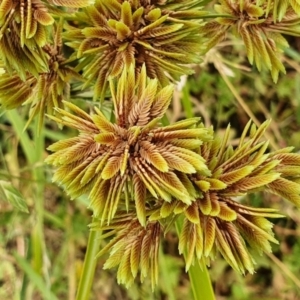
42 250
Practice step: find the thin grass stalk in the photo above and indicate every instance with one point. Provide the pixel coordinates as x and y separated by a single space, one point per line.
244 105
39 178
199 277
33 151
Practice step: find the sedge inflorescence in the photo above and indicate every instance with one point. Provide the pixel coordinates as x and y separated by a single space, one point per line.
261 25
140 174
217 220
133 155
162 35
141 177
32 91
32 56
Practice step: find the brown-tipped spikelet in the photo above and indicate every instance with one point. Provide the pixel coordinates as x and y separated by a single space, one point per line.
72 3
133 156
256 23
134 248
163 35
217 220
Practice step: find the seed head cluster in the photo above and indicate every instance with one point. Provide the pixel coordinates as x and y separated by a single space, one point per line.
140 174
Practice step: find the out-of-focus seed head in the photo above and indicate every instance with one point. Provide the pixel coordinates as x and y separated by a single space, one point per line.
261 27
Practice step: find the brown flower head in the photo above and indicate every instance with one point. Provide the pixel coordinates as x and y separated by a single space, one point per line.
14 91
256 23
162 34
24 31
22 34
216 220
134 156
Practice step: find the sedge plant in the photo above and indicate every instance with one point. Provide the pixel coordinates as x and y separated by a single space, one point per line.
142 176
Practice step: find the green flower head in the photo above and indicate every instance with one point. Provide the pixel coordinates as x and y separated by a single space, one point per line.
23 31
134 248
215 221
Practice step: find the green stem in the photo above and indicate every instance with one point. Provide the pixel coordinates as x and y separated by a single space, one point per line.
89 266
199 277
200 281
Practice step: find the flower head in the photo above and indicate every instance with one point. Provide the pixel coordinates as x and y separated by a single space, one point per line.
216 220
132 157
32 90
259 29
24 28
22 34
118 33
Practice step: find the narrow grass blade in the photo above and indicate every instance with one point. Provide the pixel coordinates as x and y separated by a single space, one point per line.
35 278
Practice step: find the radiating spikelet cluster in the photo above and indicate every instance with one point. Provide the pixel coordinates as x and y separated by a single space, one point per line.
162 35
127 159
217 220
23 31
56 81
31 56
139 174
129 167
261 27
134 248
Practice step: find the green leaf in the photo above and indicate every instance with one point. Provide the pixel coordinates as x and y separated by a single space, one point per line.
13 196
